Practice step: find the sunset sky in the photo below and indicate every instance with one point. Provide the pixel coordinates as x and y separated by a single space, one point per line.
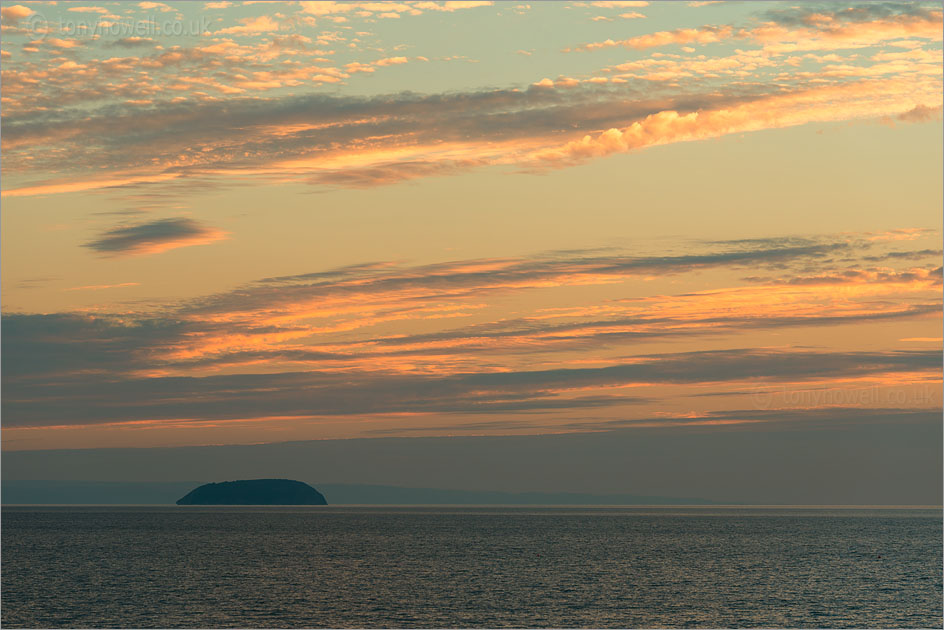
245 223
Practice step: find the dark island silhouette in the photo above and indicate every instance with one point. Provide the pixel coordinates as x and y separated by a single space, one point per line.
254 492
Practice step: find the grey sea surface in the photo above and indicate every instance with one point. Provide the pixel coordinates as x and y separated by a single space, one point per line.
627 567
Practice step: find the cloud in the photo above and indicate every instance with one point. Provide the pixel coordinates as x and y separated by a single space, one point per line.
82 400
317 137
154 237
250 26
62 43
319 127
669 319
920 113
343 343
201 112
159 6
339 342
12 14
804 28
388 9
702 35
775 111
440 338
790 417
453 5
474 278
393 173
133 42
56 187
101 10
99 287
328 7
390 61
616 4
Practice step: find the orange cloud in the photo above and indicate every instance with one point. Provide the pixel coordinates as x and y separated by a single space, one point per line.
323 140
821 31
390 61
703 35
53 188
250 26
388 9
616 4
12 14
299 323
857 100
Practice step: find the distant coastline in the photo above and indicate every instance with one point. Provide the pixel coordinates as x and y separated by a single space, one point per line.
52 492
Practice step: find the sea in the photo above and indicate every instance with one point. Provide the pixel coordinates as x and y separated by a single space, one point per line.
434 567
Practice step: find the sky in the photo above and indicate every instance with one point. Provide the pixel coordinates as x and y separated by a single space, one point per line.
428 223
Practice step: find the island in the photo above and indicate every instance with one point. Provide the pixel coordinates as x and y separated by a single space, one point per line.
254 492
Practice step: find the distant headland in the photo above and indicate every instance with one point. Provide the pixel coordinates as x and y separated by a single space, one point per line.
254 492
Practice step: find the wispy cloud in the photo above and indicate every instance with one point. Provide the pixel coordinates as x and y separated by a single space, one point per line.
343 342
285 97
154 237
242 396
368 141
805 29
99 287
369 9
219 108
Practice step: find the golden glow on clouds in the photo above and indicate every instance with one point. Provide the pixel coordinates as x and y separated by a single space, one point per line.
118 139
323 324
858 100
811 61
396 350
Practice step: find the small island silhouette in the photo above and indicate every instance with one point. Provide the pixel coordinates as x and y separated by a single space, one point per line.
254 492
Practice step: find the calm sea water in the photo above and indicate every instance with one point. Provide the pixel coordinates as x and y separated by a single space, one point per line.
455 567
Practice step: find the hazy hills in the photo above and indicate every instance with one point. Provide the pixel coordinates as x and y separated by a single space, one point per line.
167 493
